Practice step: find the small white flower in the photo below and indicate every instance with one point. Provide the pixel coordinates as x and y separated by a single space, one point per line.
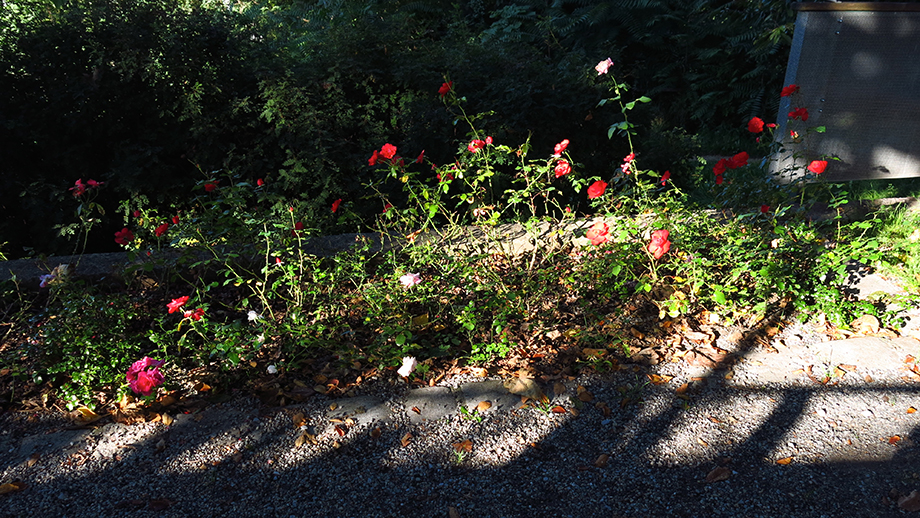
253 316
410 279
261 338
408 366
272 369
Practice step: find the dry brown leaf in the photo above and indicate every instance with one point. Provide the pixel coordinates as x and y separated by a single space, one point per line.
558 388
32 459
894 439
204 387
524 387
911 410
682 389
167 400
601 461
911 502
166 419
600 405
585 396
479 371
718 474
416 410
659 380
848 368
405 439
784 461
593 353
636 333
375 433
714 420
12 487
866 325
702 442
298 419
558 409
466 445
483 406
868 379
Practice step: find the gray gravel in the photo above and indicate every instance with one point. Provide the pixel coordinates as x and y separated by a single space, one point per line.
242 459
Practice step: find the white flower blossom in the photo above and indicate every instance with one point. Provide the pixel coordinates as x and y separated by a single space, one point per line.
408 366
253 316
410 279
272 369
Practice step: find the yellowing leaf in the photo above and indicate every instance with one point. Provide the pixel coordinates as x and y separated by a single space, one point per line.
911 410
894 439
784 461
420 321
84 415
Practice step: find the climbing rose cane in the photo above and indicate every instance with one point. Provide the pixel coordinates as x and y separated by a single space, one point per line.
659 244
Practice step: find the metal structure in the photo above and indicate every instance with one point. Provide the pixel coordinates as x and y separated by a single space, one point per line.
857 65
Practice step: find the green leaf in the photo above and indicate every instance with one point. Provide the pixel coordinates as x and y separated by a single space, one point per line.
644 99
718 297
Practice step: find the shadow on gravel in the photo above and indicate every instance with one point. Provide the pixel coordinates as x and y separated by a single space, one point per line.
806 451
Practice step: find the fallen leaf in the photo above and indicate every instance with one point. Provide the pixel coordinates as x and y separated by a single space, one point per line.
714 420
479 371
204 387
585 396
466 445
784 461
894 439
298 419
341 430
593 353
32 460
405 439
600 405
701 441
636 333
868 379
12 487
375 433
910 503
718 474
682 389
601 461
160 504
416 410
559 388
524 387
911 410
167 400
659 380
866 325
848 368
84 415
483 406
166 419
420 321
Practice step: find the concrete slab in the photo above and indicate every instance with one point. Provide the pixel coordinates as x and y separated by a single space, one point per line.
471 394
432 403
363 409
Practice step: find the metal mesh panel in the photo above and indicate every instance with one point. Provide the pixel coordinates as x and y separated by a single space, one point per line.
859 74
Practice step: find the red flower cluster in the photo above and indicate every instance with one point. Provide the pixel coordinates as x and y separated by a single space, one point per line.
210 186
446 88
799 113
626 162
596 190
789 90
562 168
388 152
335 205
755 125
739 160
194 314
598 233
817 166
560 147
145 375
665 177
124 236
175 304
659 244
161 229
79 188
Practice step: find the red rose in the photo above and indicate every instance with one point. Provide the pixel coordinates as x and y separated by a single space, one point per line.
335 205
123 236
799 113
388 151
562 168
446 88
817 166
739 160
161 229
665 177
597 189
175 304
476 145
755 125
789 90
659 244
560 147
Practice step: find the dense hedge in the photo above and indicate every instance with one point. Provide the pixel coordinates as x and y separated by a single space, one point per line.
153 96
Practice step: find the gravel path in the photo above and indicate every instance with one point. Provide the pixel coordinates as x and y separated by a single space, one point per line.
772 442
